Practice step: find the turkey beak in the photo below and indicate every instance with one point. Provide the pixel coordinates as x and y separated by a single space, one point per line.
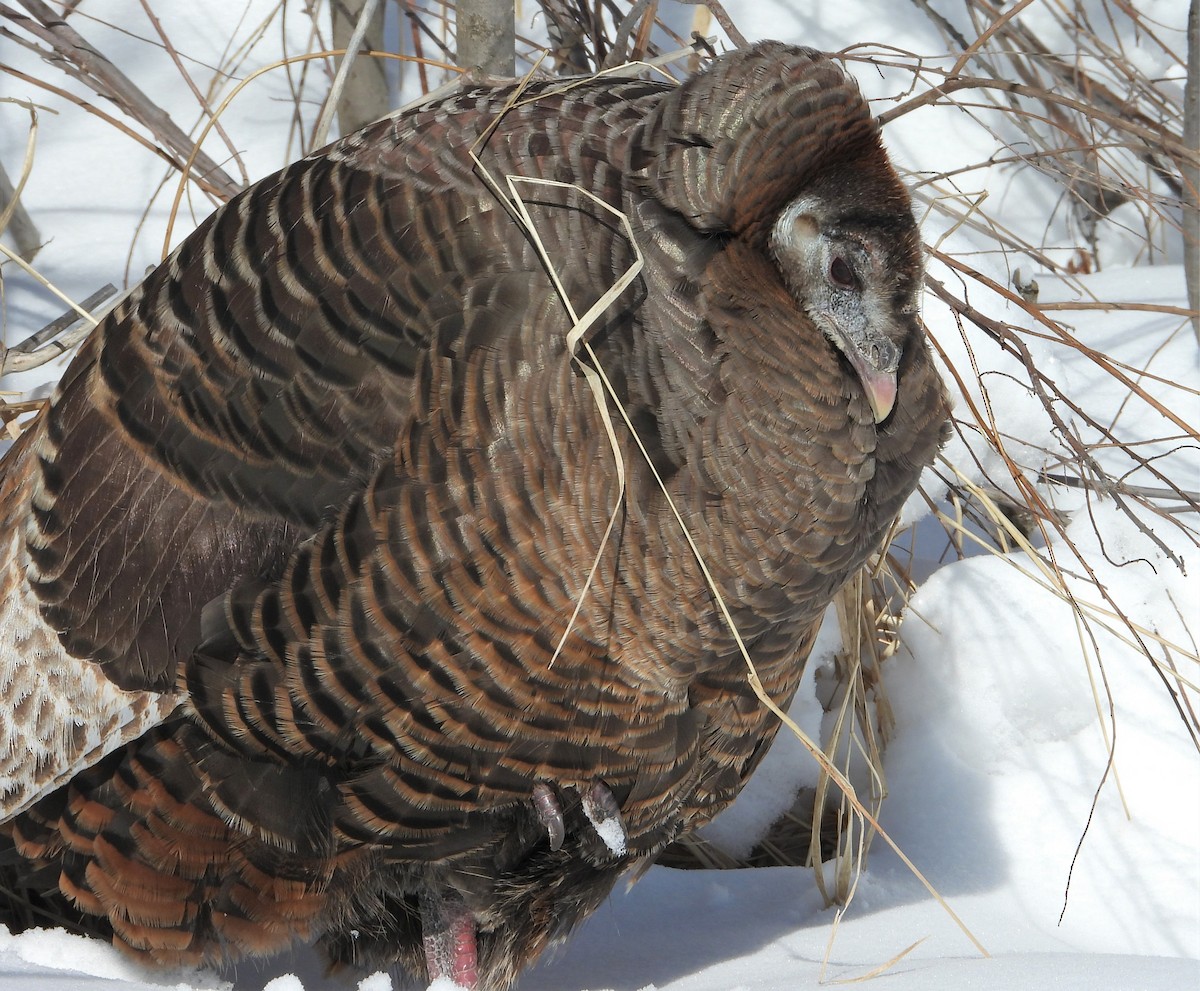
878 383
875 359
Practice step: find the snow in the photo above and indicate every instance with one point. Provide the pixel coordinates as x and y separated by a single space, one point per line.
610 831
288 982
1009 702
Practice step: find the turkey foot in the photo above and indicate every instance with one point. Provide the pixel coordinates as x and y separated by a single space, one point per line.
604 814
545 803
448 936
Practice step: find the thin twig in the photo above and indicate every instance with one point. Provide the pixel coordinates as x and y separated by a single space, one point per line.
81 60
187 78
204 182
46 344
325 120
722 18
1108 485
15 219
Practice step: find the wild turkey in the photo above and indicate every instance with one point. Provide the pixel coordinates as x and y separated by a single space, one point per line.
295 554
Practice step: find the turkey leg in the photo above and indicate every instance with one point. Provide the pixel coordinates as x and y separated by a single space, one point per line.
448 935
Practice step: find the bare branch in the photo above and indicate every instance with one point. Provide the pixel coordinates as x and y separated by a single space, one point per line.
722 18
175 163
15 218
44 345
85 63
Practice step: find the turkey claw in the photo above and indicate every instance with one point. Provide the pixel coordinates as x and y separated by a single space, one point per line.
550 813
604 814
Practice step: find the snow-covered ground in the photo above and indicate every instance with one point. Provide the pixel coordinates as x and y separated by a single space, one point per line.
1000 785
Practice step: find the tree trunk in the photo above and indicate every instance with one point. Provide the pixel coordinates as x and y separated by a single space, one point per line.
487 36
365 96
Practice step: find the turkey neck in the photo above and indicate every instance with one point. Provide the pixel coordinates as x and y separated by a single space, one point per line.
776 484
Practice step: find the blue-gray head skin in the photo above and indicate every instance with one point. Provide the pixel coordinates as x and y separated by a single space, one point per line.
856 272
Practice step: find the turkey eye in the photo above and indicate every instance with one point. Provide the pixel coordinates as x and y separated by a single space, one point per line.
841 274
